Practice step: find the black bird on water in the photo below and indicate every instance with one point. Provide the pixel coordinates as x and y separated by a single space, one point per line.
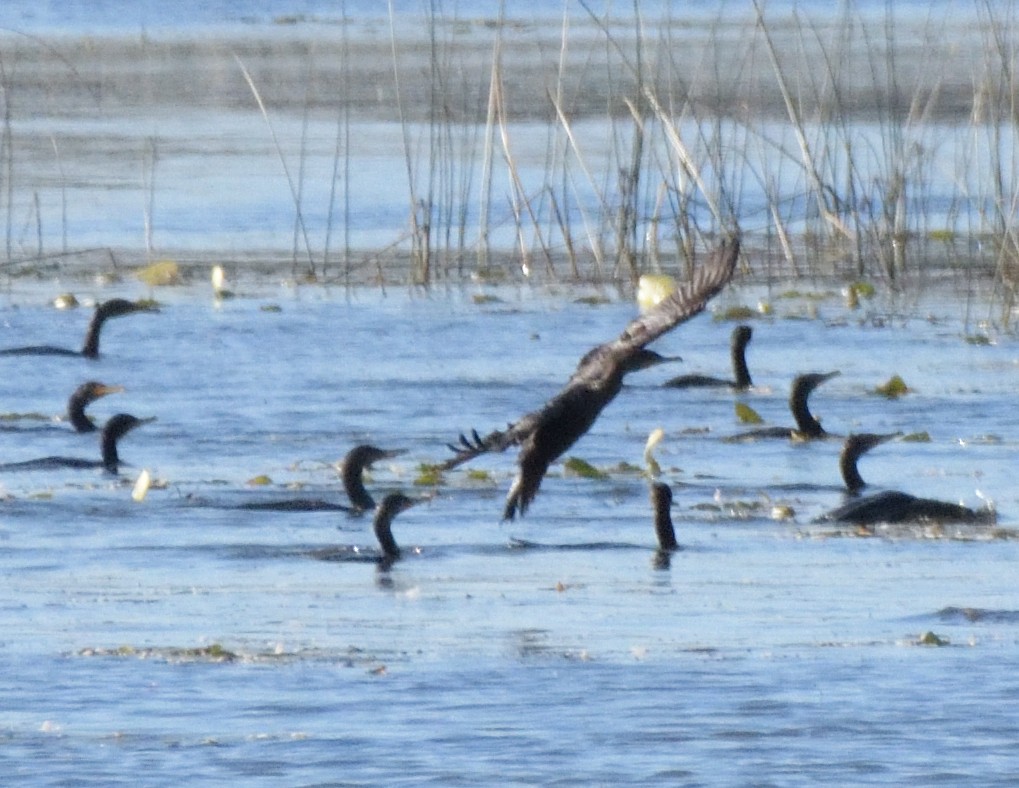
807 427
891 506
661 503
382 524
112 431
115 307
83 396
351 474
738 352
545 434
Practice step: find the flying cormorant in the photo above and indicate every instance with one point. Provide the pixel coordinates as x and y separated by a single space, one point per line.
892 506
115 307
83 396
545 434
807 427
738 352
114 429
351 474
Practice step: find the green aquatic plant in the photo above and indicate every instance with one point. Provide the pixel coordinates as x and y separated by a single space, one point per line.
747 415
741 312
575 466
931 639
261 480
894 387
429 475
484 298
917 437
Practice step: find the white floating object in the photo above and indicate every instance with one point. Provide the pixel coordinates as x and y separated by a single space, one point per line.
218 278
652 289
141 487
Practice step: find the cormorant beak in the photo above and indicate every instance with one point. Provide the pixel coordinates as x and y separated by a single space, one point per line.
102 390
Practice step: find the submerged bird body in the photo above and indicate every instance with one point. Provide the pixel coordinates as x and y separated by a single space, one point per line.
891 506
741 336
351 474
83 396
114 429
115 307
807 426
545 434
382 523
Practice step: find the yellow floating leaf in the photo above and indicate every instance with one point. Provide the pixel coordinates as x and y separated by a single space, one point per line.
65 301
747 415
428 475
260 481
577 467
160 274
894 387
652 289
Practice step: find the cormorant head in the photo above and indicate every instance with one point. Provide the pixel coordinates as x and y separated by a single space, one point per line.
741 336
122 423
806 383
388 508
93 390
860 443
117 307
644 358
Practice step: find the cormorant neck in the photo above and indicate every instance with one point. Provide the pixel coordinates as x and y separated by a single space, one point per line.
847 465
91 347
382 525
76 415
353 483
739 363
661 499
806 424
111 461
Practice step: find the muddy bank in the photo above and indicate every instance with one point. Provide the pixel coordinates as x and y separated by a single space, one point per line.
444 69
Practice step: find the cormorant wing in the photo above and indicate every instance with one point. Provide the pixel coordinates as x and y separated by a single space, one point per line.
689 299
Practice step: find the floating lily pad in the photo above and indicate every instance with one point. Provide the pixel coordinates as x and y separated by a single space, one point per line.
428 475
931 639
577 467
894 387
485 298
917 437
160 274
260 481
747 415
736 313
475 475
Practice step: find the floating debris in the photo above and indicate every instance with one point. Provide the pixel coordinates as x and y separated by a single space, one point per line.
893 388
160 274
575 466
141 486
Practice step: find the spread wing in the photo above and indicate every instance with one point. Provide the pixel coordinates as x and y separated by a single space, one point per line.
688 300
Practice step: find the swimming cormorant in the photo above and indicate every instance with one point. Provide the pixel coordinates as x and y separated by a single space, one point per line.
807 427
114 429
83 396
545 434
892 506
661 502
382 524
115 307
738 352
351 474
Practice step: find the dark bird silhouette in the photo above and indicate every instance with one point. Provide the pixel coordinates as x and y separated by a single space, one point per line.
351 474
545 434
738 353
382 524
891 506
115 307
112 431
83 396
661 503
807 427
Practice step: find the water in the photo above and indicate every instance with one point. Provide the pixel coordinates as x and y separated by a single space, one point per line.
774 651
180 639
